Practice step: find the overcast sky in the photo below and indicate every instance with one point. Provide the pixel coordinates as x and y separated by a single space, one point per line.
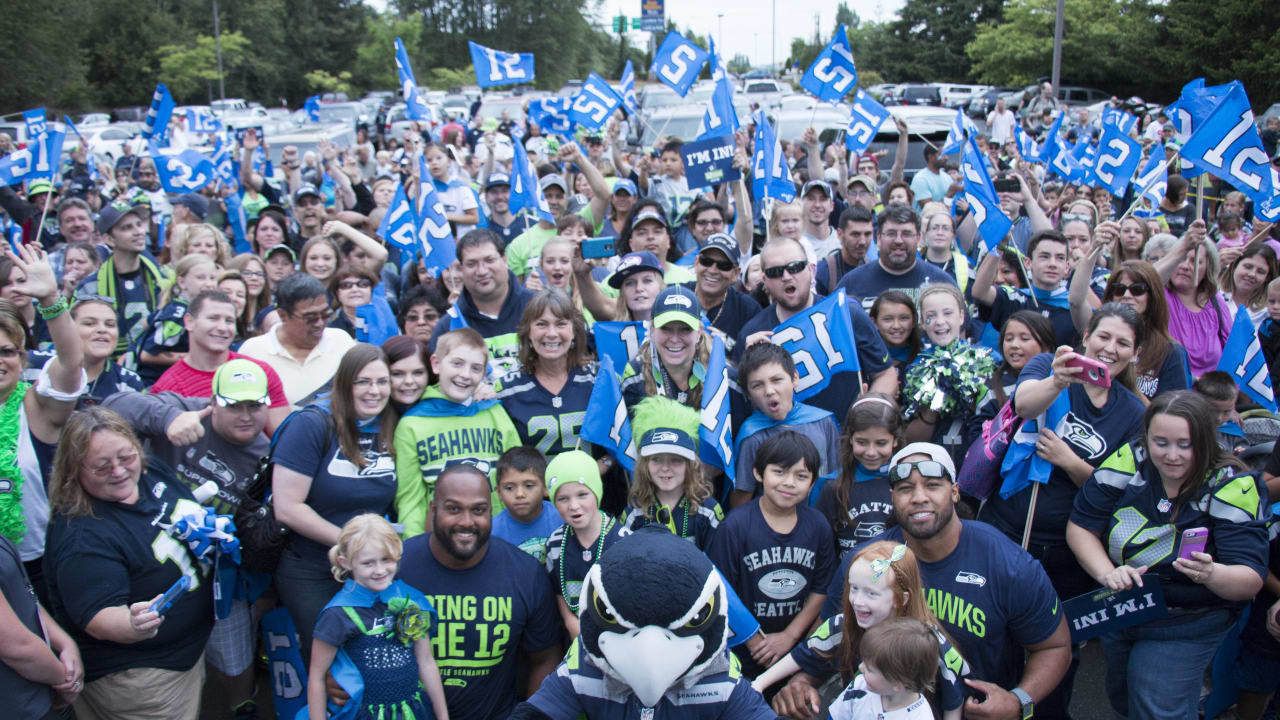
747 26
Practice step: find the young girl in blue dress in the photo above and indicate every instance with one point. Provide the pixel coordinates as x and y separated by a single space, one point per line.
375 633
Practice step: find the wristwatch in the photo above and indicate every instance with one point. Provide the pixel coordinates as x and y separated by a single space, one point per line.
1028 707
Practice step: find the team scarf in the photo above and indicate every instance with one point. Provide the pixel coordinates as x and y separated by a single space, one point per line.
1053 298
861 474
12 523
800 414
436 405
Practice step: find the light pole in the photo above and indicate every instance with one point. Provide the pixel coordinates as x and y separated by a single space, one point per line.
1055 74
773 39
720 31
217 41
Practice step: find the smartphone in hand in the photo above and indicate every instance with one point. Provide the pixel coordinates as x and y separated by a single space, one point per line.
1193 540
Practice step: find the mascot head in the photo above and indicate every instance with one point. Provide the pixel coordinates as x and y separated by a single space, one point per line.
653 614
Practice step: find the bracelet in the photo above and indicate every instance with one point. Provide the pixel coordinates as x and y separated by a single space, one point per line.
54 310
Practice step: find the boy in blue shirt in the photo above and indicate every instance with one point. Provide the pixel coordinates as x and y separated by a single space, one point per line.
768 376
529 518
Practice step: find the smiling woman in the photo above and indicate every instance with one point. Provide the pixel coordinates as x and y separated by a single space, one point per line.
333 461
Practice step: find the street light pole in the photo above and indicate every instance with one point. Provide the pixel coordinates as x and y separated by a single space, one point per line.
1056 73
720 31
773 39
217 40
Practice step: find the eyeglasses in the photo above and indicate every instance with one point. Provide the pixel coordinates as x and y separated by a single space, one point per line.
9 353
103 470
253 274
860 193
929 469
312 318
362 283
777 271
1068 217
366 383
711 222
721 265
1137 289
892 235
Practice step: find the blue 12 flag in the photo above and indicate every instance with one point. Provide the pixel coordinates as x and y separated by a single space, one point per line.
434 234
865 118
983 200
525 190
961 129
36 122
715 437
312 106
606 422
185 172
1242 358
629 89
399 225
594 103
1022 465
39 159
202 122
618 342
1151 182
678 62
1227 144
770 177
719 118
495 67
415 108
821 341
832 74
1118 157
552 114
157 121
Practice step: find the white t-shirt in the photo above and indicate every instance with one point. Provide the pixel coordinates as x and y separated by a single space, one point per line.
1001 126
859 703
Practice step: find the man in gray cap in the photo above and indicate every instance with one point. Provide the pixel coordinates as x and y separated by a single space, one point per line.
130 278
308 210
528 245
497 200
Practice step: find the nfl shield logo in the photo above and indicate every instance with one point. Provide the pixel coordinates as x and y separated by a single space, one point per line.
646 713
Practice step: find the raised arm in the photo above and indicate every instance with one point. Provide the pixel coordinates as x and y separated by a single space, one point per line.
984 281
48 412
1079 294
571 152
1168 264
1039 221
898 171
248 177
813 154
743 231
615 149
374 249
593 299
1035 396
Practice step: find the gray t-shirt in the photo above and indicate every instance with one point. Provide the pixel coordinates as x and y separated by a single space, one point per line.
209 458
24 698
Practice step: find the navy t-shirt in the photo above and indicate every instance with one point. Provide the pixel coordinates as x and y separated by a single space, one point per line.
1010 300
867 281
119 556
1174 374
869 512
844 388
568 562
487 615
774 573
545 420
340 490
133 307
1091 432
992 598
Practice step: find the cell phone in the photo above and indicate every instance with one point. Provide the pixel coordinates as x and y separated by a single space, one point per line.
1095 372
1193 540
170 596
599 247
1007 185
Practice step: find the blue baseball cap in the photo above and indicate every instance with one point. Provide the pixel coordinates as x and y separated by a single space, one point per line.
633 263
668 441
496 179
625 185
725 244
677 304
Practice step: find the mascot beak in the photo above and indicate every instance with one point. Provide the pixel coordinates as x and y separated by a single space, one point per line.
649 659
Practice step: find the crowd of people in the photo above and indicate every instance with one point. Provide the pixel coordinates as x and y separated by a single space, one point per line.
443 510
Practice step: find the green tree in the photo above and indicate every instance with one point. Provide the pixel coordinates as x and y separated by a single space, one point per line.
1222 40
845 16
927 41
739 64
41 56
191 70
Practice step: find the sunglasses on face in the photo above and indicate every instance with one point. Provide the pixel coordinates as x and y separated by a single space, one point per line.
777 271
360 283
721 265
929 469
1137 289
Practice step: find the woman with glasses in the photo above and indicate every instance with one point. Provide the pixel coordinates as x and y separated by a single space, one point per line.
1162 364
351 287
1174 484
939 248
110 560
1091 424
332 462
258 304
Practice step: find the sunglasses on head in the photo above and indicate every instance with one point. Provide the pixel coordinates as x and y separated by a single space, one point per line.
721 265
777 271
929 469
1137 289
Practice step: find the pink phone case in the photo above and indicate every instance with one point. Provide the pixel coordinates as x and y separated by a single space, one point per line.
1193 540
1095 372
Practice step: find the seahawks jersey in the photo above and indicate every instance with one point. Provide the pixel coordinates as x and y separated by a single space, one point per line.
869 512
819 654
693 523
547 421
568 562
1125 503
165 333
579 689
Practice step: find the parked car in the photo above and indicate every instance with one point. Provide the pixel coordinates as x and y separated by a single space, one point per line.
957 96
93 119
984 102
493 107
107 140
226 105
920 95
923 123
882 91
129 114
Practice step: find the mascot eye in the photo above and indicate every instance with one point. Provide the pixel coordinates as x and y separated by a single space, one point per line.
701 617
602 610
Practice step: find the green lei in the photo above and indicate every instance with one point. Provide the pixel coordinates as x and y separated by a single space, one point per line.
12 523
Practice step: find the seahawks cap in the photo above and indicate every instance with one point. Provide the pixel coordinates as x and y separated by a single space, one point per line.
633 263
677 304
668 441
240 380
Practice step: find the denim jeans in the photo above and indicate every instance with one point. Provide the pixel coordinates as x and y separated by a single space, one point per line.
1154 671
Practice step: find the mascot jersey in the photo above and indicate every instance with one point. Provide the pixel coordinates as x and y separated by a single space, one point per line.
578 688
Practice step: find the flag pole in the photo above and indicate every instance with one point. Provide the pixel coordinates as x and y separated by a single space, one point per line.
1031 515
45 214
